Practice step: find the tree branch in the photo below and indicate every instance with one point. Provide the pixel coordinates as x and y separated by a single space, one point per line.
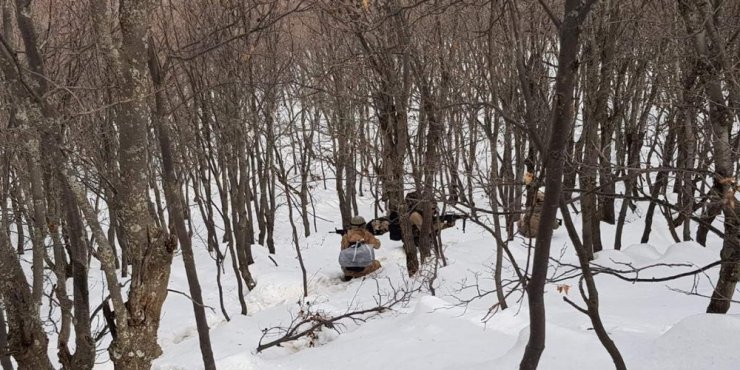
555 21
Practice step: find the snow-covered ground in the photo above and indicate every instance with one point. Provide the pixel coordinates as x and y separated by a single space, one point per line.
654 325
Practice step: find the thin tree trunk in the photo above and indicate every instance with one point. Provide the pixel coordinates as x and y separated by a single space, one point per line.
696 14
661 182
4 358
27 340
175 205
84 356
562 122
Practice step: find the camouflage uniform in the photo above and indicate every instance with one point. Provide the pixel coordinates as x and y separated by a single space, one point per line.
416 216
358 233
530 220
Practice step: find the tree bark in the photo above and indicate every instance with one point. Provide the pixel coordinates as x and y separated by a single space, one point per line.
150 249
696 13
27 339
84 356
561 118
175 205
4 358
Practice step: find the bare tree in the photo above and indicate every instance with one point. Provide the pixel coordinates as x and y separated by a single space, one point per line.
561 117
699 17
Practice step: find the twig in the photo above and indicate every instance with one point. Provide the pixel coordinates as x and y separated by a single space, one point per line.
294 334
577 307
191 299
596 269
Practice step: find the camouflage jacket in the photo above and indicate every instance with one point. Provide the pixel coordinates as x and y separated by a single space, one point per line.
357 234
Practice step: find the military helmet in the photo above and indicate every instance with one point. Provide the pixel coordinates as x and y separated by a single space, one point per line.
357 221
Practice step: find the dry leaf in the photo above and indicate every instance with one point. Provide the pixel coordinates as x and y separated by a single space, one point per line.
563 288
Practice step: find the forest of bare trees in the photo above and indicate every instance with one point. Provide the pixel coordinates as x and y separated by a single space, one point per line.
123 121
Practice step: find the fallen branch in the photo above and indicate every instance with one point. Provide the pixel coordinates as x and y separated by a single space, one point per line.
620 274
316 322
308 321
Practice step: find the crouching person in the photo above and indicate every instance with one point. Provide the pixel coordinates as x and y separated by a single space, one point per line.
438 224
416 216
357 257
530 220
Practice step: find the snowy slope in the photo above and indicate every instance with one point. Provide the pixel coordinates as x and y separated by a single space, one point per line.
654 326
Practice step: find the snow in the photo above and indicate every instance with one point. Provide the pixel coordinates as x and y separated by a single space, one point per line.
655 325
703 339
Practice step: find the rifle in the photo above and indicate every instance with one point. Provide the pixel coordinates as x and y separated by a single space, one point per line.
339 231
450 218
369 227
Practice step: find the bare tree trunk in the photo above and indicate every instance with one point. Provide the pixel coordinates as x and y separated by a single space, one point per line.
150 248
175 205
562 122
661 182
269 109
283 177
392 75
16 202
27 339
229 238
492 131
591 297
634 141
697 16
4 358
39 217
84 356
60 269
342 139
431 159
5 361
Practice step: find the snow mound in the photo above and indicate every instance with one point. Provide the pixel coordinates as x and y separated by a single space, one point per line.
564 349
611 257
642 252
688 251
705 341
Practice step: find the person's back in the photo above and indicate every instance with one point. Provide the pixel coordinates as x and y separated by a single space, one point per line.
357 258
358 234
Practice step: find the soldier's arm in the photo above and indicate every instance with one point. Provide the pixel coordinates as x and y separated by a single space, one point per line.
372 240
416 219
345 241
375 242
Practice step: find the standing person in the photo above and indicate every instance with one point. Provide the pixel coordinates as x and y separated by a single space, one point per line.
357 256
